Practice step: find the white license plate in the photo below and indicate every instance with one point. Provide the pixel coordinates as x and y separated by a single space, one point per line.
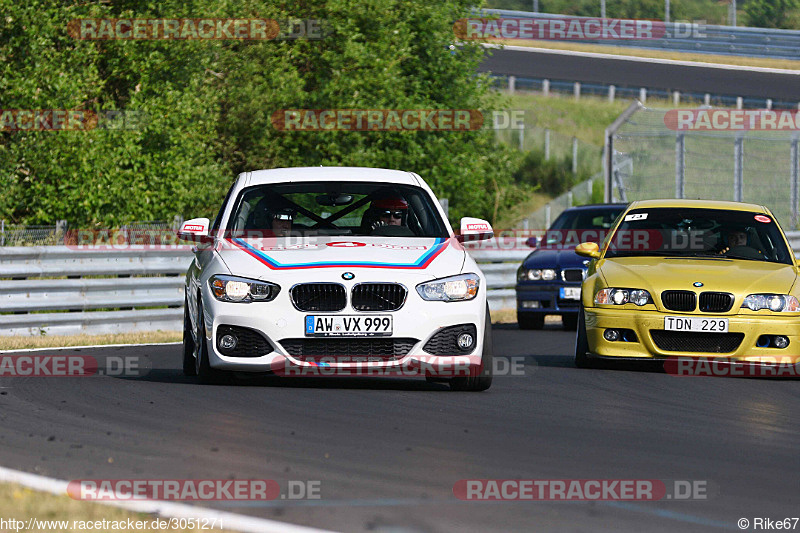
701 324
348 325
570 293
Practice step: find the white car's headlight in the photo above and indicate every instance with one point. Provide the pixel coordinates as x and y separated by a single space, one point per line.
236 289
622 296
535 274
773 302
452 289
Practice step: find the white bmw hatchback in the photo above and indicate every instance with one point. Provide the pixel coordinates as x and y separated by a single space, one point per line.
336 271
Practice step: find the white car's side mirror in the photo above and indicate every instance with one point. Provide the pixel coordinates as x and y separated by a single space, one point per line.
475 229
195 230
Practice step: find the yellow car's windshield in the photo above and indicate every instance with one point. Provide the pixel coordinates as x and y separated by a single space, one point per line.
697 232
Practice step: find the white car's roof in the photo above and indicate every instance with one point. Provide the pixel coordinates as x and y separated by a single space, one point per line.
277 175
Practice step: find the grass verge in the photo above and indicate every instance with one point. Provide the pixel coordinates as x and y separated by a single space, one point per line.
22 342
22 504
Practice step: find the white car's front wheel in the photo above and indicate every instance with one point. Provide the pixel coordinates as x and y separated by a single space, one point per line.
483 380
189 368
203 370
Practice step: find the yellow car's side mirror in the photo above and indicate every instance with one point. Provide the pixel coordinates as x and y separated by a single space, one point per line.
588 249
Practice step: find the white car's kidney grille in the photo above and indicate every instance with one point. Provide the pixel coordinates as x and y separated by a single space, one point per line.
378 296
319 296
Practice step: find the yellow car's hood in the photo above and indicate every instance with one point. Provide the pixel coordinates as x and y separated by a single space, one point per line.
656 274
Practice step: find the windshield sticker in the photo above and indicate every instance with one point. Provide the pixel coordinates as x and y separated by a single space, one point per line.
762 218
636 216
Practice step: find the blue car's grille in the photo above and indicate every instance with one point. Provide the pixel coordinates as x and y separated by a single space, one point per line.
572 275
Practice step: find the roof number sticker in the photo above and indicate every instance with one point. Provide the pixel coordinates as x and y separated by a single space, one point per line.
762 218
635 216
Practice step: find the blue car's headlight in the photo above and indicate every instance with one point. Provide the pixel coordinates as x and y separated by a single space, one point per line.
773 302
536 274
451 289
236 289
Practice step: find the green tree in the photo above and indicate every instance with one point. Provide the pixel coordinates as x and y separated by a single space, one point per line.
207 106
769 13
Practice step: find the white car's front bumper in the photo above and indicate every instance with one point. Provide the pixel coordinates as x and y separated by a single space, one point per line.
279 322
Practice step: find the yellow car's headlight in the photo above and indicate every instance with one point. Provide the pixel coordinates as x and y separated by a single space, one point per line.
613 296
774 302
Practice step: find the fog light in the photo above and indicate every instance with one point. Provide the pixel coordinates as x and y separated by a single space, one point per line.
611 335
532 304
466 341
781 341
227 342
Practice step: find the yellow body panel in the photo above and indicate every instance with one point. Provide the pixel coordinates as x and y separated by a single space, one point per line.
657 274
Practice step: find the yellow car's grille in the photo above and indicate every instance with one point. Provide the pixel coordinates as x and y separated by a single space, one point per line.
716 302
679 300
679 341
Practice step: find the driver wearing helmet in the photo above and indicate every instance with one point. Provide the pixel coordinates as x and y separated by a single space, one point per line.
273 214
390 211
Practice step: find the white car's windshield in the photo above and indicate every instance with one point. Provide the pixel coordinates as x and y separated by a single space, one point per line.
693 232
336 208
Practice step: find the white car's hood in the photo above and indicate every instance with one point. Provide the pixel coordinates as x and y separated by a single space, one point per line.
315 257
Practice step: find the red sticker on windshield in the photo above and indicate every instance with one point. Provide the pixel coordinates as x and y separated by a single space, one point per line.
762 218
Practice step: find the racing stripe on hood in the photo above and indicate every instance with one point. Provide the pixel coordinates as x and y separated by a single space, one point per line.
421 262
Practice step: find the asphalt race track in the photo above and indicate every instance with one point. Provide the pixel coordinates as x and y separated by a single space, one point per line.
387 453
630 72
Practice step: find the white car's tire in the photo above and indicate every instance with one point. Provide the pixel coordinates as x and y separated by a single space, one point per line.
204 372
482 381
189 367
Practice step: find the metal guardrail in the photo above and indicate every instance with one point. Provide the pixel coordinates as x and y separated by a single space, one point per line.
709 39
146 292
118 291
105 290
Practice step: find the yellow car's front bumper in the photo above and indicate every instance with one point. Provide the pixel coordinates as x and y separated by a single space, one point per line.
643 323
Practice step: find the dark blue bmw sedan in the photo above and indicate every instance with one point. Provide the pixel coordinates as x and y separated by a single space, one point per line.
549 279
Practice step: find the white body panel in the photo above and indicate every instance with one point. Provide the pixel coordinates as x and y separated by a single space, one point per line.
287 261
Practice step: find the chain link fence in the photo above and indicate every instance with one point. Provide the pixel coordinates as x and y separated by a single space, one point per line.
151 232
583 193
650 160
585 157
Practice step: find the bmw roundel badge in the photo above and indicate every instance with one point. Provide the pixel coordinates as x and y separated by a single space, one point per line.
697 284
348 276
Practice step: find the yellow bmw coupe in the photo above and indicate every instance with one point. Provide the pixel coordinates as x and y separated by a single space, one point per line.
690 278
